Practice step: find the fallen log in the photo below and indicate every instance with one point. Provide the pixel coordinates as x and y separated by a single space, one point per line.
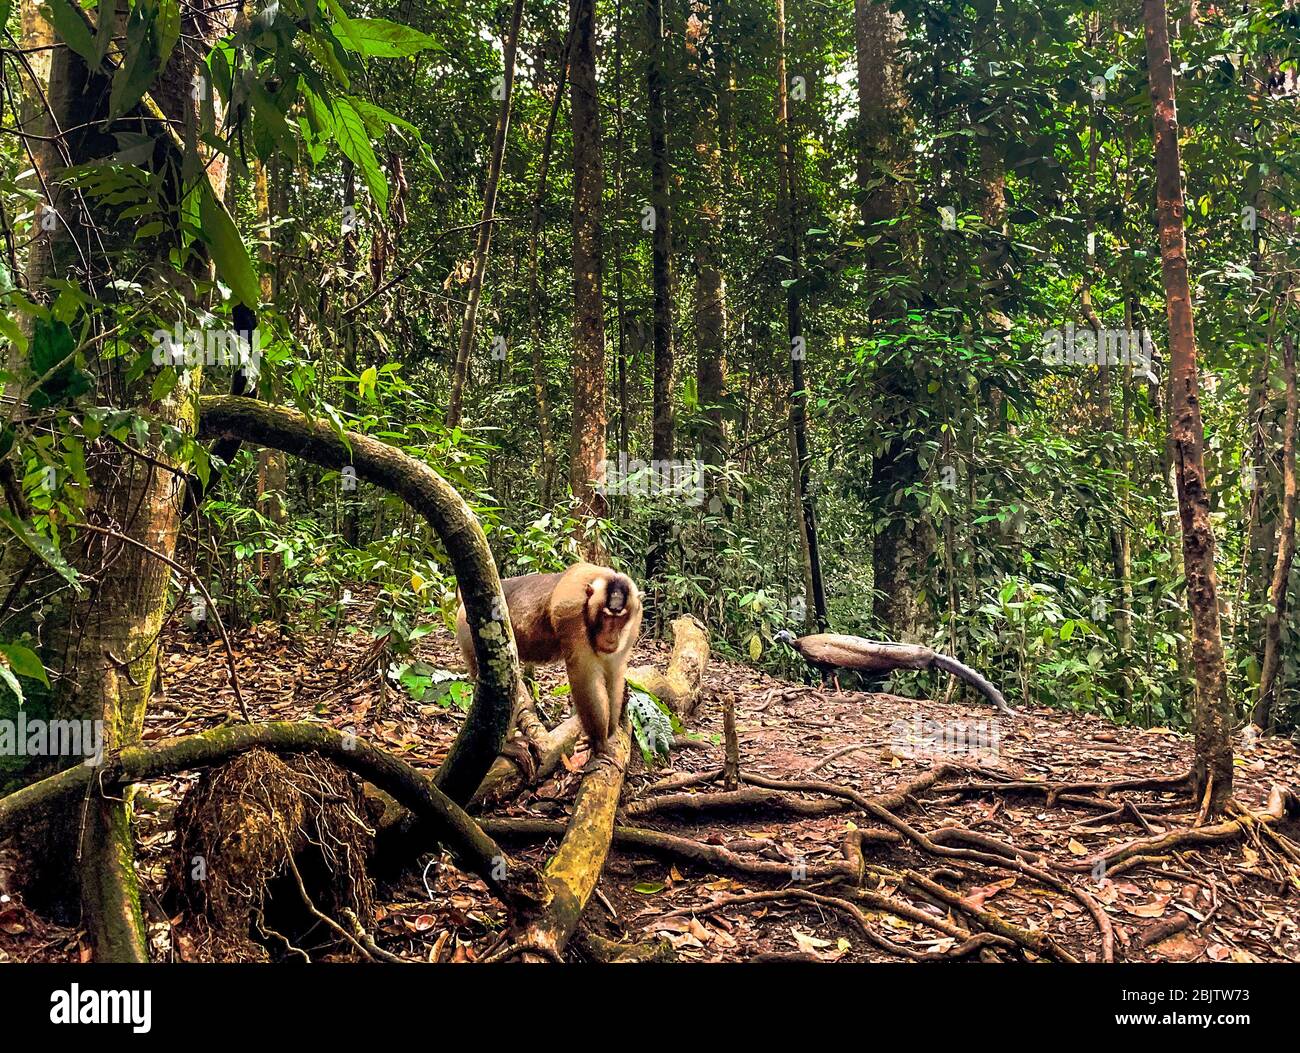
678 686
541 933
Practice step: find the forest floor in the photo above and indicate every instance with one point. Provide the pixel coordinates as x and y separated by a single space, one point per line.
1236 900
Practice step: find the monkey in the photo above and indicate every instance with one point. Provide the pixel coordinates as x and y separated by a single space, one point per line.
586 616
242 382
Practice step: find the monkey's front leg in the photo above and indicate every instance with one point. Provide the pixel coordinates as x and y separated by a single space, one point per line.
591 699
616 688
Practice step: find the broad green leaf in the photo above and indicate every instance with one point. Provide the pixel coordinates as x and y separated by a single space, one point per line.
234 267
353 139
377 118
9 680
380 38
43 547
53 361
25 662
68 21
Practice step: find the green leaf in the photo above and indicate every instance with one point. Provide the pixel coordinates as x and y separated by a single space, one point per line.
68 21
9 680
42 547
353 139
25 662
53 352
380 38
141 59
377 118
234 266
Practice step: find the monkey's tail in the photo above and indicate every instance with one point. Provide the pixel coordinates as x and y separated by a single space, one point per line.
965 672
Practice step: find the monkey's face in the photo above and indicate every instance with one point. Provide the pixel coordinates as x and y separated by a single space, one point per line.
611 604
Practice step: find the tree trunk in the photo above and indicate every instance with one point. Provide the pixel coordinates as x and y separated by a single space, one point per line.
710 284
587 436
348 327
801 459
901 551
661 449
546 442
475 294
103 644
883 129
272 476
1212 710
1267 708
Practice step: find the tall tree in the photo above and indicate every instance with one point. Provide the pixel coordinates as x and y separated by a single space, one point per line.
1212 715
800 456
661 447
460 369
587 435
902 549
1266 708
104 638
710 302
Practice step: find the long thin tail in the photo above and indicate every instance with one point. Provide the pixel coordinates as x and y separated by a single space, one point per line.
965 672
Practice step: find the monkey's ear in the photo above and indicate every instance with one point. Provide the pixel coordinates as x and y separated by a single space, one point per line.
590 588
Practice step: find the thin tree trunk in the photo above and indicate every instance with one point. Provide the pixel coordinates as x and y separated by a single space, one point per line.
1266 709
461 367
587 436
801 459
661 449
882 125
545 440
710 284
1212 709
271 468
348 327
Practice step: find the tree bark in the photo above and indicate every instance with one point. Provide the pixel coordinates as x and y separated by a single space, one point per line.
1267 707
1212 710
661 447
801 458
546 442
587 435
883 127
710 283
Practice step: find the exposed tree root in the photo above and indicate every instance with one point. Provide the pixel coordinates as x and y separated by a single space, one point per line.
515 882
770 801
1281 802
611 952
1040 943
683 850
433 497
1052 790
968 943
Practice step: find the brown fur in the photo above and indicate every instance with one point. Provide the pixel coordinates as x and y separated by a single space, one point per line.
586 616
